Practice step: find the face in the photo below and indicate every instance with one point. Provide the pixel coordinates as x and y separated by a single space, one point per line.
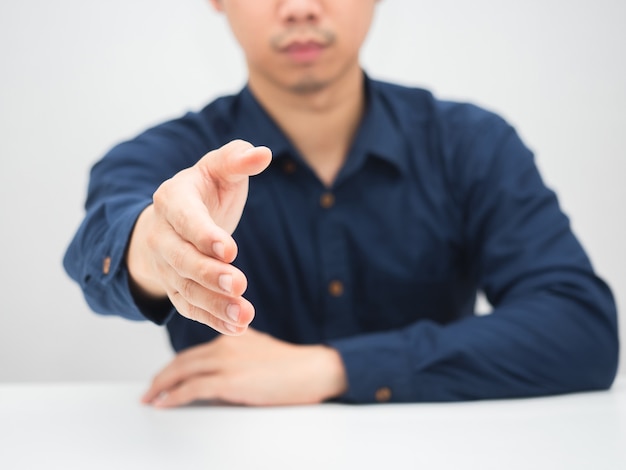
299 45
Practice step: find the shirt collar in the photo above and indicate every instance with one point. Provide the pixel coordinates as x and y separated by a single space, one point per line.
379 134
256 126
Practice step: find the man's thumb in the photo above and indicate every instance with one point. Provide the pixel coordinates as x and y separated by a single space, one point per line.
235 160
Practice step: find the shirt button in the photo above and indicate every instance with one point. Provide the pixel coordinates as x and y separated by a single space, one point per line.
289 167
327 200
106 265
383 394
335 288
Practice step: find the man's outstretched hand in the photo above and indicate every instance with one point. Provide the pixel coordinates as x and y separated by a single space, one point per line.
181 246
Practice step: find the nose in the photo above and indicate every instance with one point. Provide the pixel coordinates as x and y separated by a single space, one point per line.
297 12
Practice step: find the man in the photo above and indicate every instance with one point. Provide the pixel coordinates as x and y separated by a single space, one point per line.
375 215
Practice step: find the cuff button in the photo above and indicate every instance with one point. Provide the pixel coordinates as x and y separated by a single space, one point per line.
106 265
383 394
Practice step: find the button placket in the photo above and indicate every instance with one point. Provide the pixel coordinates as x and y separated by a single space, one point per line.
327 200
335 288
289 167
335 273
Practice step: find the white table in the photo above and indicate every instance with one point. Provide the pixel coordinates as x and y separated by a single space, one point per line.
93 426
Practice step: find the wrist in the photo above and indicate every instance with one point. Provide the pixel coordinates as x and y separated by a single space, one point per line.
332 375
143 282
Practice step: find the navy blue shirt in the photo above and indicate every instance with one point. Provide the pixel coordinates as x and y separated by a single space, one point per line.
436 201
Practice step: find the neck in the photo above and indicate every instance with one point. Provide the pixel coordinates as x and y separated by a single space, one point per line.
321 124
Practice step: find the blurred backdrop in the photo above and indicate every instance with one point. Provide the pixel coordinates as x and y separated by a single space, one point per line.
78 76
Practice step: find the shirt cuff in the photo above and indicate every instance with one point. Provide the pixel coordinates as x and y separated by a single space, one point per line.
378 368
106 282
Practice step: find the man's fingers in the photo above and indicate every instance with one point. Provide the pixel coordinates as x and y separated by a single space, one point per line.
229 316
185 366
198 388
191 220
204 289
187 262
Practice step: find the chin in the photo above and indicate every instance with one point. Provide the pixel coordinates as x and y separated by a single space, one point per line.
308 85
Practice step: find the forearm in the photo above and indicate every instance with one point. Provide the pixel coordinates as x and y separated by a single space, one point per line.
121 186
95 258
554 341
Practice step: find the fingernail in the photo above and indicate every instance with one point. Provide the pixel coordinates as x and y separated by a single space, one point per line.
146 396
225 281
232 312
160 399
218 249
231 328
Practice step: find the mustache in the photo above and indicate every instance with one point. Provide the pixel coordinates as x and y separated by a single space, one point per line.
303 33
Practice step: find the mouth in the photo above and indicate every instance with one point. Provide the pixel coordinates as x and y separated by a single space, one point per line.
303 51
303 45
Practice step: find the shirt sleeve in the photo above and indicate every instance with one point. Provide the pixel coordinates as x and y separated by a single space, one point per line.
120 187
553 328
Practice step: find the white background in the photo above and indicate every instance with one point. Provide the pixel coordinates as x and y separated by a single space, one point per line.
77 76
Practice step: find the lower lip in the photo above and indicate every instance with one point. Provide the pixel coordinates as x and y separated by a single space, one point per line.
304 54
